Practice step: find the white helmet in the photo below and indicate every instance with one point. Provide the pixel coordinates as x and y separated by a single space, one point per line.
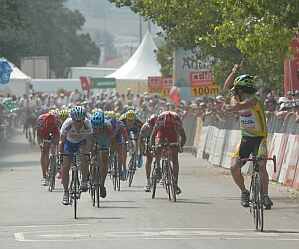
283 100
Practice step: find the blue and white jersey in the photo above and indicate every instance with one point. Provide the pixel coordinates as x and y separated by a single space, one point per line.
72 134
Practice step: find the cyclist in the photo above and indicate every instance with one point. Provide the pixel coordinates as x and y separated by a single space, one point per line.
102 133
47 130
169 128
253 131
133 125
119 134
143 143
74 134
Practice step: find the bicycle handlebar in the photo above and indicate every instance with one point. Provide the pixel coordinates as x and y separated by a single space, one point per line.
257 159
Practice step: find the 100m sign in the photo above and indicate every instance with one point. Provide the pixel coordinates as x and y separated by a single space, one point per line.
205 90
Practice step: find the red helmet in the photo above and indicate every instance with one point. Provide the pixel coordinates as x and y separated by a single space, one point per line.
152 120
168 119
51 121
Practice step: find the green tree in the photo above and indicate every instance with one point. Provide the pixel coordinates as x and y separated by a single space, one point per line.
258 31
45 28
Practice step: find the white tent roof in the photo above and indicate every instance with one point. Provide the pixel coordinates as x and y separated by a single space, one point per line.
17 74
142 64
18 82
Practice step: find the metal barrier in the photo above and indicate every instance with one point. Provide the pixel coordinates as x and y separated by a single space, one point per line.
275 123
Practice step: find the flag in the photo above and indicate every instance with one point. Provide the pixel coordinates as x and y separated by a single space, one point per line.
175 95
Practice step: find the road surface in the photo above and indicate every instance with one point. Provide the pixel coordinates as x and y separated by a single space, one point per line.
207 214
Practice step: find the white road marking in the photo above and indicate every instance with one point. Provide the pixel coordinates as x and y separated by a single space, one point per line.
19 237
158 234
44 225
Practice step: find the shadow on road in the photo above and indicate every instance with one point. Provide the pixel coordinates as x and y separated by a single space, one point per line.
18 164
190 201
281 231
100 218
118 201
118 207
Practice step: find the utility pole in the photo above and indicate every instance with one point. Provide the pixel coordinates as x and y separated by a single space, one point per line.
140 29
149 26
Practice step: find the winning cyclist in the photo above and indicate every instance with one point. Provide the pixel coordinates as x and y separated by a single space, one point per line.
253 130
74 134
102 133
169 128
143 143
47 126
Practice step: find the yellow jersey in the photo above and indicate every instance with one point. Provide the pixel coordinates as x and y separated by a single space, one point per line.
253 121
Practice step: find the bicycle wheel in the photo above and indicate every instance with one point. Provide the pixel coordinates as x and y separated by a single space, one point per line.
132 168
259 218
172 184
118 173
165 166
97 186
154 181
52 172
75 191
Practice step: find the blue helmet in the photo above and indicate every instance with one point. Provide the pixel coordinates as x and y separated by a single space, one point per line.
78 113
98 120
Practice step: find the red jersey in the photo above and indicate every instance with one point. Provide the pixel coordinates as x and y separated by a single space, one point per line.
47 123
167 125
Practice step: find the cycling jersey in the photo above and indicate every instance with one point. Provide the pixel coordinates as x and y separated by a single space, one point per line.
103 139
146 131
118 131
166 129
135 127
74 136
253 121
47 123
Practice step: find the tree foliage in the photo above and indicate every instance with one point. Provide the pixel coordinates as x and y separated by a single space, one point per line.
258 31
45 28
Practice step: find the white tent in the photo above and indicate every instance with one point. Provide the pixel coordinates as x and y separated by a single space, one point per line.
135 72
18 83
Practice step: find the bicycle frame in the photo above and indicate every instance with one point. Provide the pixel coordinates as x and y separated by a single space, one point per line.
167 170
256 191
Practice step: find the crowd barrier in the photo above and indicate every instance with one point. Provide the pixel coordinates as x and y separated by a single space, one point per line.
216 142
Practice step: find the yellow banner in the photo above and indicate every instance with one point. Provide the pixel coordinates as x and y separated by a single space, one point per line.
209 90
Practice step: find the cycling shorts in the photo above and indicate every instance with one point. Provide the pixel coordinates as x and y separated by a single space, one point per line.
71 148
256 146
104 142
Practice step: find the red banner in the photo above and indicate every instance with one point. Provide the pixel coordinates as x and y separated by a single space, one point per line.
291 75
295 46
159 84
85 83
201 78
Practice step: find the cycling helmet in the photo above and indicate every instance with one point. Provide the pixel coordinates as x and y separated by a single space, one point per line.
117 115
51 121
131 115
98 120
63 114
110 114
78 113
54 112
245 83
152 120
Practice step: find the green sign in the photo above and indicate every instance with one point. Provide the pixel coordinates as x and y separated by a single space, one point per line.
103 83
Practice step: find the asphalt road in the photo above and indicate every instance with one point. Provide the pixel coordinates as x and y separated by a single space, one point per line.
207 214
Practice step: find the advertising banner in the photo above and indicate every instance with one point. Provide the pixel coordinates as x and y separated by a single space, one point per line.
161 85
201 78
191 67
103 83
206 90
